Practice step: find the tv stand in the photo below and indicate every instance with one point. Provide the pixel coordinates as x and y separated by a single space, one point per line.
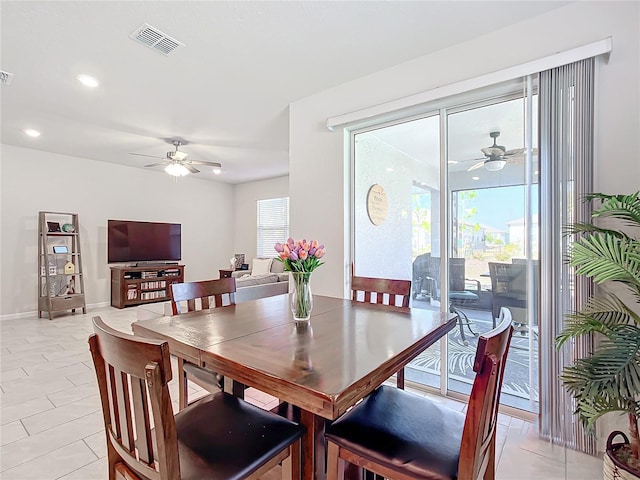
152 264
137 285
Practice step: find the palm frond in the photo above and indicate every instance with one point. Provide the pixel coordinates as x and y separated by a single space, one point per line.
579 227
606 258
624 207
613 371
591 409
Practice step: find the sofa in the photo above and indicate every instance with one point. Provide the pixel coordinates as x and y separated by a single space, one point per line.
266 278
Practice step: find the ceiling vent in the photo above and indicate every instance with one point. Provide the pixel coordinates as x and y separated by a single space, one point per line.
5 77
155 39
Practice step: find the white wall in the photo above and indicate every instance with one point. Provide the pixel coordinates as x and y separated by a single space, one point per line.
31 181
318 173
246 196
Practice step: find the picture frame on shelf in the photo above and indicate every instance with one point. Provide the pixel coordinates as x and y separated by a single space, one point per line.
60 249
53 227
239 260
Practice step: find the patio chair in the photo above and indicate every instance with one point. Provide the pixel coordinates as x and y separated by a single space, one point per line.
220 436
509 289
462 291
223 292
401 435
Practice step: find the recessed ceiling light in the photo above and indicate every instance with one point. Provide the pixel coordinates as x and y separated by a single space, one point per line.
31 132
389 169
88 80
217 170
475 178
452 162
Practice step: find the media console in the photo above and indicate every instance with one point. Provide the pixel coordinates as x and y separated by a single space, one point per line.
144 284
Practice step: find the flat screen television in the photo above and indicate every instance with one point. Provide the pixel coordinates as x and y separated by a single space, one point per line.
129 241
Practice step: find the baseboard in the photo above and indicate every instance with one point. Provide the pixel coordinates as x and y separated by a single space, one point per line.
34 313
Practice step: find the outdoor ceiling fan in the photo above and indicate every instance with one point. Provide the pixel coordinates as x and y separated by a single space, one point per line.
177 164
497 156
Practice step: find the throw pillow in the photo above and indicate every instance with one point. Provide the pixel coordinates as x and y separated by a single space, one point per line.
261 266
277 267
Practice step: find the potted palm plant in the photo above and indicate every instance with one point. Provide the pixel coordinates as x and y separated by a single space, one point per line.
608 378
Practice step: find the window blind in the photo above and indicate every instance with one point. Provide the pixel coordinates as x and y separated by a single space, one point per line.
273 224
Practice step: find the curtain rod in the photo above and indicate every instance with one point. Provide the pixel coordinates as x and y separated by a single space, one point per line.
545 63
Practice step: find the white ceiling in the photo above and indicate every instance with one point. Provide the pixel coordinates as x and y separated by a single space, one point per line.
226 93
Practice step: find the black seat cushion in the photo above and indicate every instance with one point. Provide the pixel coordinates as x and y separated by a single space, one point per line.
223 437
404 432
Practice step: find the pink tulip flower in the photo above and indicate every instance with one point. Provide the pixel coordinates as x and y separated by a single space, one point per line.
303 254
319 253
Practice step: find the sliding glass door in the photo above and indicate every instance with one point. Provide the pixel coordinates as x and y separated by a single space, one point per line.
482 233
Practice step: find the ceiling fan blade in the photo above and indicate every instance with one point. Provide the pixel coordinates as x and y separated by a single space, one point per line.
476 166
144 155
190 168
202 162
515 151
156 164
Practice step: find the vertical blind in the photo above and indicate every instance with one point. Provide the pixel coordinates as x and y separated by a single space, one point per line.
566 166
273 224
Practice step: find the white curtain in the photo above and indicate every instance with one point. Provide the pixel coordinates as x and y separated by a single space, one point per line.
566 96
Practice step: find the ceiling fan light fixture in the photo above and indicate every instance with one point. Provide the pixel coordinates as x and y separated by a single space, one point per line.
495 165
176 169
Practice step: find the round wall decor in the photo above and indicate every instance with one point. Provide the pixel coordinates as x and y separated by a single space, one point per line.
377 204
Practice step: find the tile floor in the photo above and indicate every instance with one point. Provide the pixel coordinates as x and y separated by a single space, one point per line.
51 426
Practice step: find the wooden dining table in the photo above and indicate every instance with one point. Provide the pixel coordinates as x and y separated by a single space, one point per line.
324 367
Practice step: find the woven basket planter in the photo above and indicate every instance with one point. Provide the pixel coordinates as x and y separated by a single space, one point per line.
614 469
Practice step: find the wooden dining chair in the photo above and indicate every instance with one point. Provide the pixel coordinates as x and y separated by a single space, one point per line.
385 292
222 292
220 436
401 435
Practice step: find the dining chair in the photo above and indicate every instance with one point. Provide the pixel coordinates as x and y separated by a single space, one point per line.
385 292
220 436
402 435
223 293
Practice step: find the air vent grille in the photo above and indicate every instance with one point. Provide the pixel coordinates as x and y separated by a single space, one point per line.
5 77
155 39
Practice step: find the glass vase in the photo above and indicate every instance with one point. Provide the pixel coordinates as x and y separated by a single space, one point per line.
301 298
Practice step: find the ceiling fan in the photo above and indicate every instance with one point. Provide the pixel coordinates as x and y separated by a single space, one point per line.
177 164
496 156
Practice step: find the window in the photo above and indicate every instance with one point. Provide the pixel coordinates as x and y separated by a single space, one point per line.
273 224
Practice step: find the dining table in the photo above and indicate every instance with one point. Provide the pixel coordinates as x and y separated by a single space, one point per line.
323 366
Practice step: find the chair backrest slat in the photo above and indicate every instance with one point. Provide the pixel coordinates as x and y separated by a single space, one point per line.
133 376
478 437
395 290
124 409
204 290
144 442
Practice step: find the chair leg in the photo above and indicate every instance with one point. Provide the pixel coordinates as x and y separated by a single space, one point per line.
291 466
400 379
332 461
182 385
